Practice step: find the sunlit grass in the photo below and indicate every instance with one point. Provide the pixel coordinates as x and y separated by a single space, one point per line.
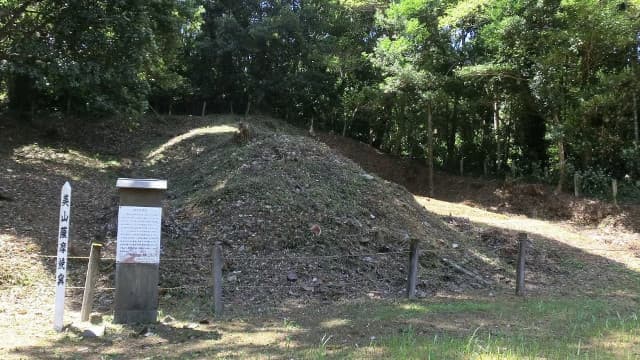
156 154
578 328
37 154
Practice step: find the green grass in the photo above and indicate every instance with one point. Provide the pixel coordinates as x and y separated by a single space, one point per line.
577 328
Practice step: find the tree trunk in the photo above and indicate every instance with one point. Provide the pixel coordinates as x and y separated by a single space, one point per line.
68 104
32 113
561 159
506 126
496 129
635 121
345 126
429 150
204 108
451 138
311 132
246 113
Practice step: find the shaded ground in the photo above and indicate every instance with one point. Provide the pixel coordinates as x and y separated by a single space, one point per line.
266 199
532 200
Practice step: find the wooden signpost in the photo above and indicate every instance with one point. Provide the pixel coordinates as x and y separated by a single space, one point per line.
138 250
61 259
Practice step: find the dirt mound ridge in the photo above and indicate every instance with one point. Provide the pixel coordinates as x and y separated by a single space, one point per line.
286 206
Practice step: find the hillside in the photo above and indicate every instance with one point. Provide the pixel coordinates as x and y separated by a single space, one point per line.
265 199
284 204
307 234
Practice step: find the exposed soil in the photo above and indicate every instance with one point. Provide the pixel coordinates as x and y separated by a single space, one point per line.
576 242
299 222
499 196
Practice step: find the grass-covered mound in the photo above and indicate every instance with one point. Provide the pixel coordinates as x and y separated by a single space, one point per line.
286 206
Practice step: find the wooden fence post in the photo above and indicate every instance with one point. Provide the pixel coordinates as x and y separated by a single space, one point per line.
614 190
90 281
461 166
413 269
217 279
522 255
576 184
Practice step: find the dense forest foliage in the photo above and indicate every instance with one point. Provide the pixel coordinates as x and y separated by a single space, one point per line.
535 88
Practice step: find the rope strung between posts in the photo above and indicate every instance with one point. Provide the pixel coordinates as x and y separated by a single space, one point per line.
192 259
100 288
231 287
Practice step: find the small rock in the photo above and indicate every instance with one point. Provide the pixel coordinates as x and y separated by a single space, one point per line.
94 331
307 288
316 230
232 278
455 246
168 319
291 276
364 240
367 176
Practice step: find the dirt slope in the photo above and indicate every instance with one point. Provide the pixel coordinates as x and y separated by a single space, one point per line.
284 206
287 206
506 197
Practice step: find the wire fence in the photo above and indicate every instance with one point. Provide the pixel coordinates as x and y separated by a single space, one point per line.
257 261
281 258
251 257
209 261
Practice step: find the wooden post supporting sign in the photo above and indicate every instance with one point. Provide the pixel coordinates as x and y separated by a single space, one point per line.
61 259
90 281
138 250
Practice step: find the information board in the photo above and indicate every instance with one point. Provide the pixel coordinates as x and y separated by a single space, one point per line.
139 230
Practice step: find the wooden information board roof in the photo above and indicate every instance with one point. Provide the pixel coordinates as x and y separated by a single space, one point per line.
152 184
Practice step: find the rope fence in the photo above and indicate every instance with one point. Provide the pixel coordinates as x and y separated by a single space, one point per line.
252 257
281 258
216 260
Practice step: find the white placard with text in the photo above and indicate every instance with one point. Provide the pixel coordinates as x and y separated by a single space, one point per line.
139 229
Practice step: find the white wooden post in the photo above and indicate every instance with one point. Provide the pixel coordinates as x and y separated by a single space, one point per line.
61 260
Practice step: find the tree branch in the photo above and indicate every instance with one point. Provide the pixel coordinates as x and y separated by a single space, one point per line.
15 15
